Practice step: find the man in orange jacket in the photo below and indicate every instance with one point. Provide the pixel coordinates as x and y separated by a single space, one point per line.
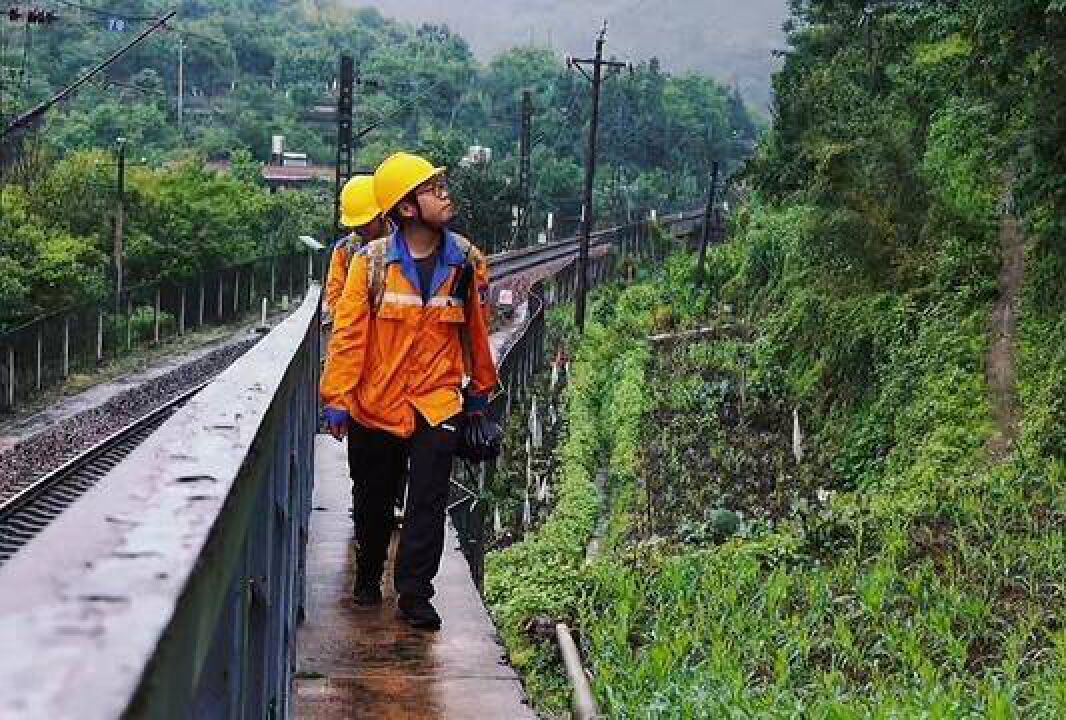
406 331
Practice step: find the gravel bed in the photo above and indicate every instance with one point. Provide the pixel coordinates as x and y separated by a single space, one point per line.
47 450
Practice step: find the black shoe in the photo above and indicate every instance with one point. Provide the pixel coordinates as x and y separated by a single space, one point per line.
367 593
418 613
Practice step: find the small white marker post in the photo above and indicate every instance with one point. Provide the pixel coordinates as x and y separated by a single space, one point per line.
263 319
155 318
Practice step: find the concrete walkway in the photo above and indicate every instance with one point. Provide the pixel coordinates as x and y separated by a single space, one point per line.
356 662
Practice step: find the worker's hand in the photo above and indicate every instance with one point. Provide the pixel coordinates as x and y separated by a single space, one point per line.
337 420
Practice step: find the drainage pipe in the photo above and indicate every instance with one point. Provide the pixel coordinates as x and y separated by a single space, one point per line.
583 702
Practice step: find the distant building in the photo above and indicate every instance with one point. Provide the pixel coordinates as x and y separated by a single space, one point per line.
476 155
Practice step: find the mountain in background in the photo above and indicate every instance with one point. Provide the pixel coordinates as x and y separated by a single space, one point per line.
733 41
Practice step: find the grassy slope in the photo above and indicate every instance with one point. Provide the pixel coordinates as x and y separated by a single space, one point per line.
930 579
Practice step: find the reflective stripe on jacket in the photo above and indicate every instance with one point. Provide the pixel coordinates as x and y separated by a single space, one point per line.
407 357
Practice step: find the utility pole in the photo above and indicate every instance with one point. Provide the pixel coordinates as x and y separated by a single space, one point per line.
707 215
120 219
181 85
587 219
524 152
345 143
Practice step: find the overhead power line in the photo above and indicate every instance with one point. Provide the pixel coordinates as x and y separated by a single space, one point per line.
31 116
396 112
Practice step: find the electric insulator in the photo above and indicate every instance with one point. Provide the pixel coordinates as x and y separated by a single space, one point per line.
14 14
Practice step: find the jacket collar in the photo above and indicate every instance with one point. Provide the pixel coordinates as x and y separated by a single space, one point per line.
450 256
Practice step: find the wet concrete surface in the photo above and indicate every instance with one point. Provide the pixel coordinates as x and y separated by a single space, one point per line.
358 662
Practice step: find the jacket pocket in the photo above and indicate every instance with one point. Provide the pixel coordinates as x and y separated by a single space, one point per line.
451 315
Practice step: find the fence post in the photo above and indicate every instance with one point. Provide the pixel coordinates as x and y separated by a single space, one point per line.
129 324
66 347
181 313
99 336
219 305
40 348
200 316
155 317
11 376
273 268
236 292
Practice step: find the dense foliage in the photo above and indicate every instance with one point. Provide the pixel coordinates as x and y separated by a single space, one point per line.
56 237
904 566
256 68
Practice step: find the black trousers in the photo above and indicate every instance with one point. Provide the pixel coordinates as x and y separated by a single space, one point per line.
376 460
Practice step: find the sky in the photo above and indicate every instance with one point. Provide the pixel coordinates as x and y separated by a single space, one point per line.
733 41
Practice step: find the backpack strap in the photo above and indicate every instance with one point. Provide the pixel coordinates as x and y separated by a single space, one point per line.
375 281
350 245
460 290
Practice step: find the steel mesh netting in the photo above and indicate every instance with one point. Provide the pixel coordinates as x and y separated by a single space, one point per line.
518 363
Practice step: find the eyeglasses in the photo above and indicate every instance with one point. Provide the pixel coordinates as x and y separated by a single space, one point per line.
438 186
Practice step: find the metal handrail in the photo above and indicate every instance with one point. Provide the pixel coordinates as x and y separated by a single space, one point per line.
182 577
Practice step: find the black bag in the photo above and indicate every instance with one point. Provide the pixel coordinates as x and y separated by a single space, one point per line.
480 437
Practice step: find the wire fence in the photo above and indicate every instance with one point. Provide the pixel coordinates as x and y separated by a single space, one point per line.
45 352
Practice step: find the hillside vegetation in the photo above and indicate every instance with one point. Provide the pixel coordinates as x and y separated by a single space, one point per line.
909 560
256 68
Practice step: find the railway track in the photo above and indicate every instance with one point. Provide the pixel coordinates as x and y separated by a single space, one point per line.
518 261
26 514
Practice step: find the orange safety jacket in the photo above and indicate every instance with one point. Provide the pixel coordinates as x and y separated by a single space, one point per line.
338 271
385 364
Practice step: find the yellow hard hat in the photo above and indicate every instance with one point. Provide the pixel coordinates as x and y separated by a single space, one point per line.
359 205
398 175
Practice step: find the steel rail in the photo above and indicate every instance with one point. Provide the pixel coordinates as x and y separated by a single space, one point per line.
511 263
27 513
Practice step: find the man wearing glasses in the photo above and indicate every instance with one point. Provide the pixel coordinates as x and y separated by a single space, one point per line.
409 325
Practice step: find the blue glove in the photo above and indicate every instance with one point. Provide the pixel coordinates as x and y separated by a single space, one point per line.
337 419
